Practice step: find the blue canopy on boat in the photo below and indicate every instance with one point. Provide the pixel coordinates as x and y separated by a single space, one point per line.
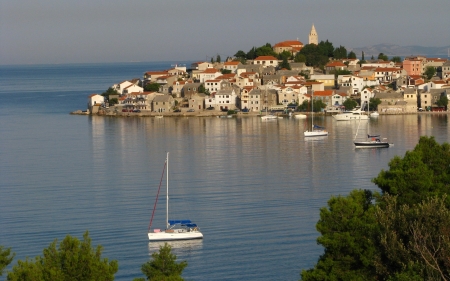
318 127
172 222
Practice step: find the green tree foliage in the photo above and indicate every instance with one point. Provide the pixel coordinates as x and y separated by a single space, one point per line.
285 64
201 89
240 54
152 87
340 53
163 266
382 56
251 55
373 103
265 50
6 258
351 55
414 241
349 104
304 106
113 101
72 259
318 105
429 72
225 71
348 230
326 48
109 92
314 55
362 55
420 173
442 101
299 57
218 59
284 55
396 59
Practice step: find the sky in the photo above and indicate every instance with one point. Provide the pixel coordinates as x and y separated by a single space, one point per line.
101 31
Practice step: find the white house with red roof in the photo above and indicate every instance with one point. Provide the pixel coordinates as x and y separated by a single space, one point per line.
266 61
212 85
151 76
132 88
202 65
231 65
94 102
222 100
208 74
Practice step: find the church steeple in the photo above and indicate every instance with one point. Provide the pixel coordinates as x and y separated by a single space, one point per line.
313 38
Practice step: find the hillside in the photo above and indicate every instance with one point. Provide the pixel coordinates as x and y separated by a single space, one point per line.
401 51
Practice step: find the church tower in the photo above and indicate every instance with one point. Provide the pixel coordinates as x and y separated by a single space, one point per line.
313 38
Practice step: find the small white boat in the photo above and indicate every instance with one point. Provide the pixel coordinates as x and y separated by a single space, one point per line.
175 229
269 117
374 114
351 115
159 116
300 116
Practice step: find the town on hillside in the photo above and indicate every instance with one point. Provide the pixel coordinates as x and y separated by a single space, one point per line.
284 76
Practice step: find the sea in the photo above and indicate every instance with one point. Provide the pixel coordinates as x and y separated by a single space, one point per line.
254 188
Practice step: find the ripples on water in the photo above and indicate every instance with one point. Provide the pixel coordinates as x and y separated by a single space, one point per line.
255 188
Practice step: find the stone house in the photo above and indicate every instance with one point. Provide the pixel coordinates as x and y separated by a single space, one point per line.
224 99
266 61
232 66
331 67
163 103
197 102
410 97
189 89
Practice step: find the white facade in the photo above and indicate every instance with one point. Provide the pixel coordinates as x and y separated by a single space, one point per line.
222 99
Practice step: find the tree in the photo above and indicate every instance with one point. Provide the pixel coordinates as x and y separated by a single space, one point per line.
225 71
340 53
109 92
240 54
414 241
218 59
163 266
152 87
373 103
285 64
304 106
284 55
265 50
349 104
318 105
71 260
396 59
422 172
351 55
299 57
362 55
442 101
6 258
201 89
382 56
348 233
429 72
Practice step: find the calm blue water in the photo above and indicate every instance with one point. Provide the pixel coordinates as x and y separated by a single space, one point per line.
255 188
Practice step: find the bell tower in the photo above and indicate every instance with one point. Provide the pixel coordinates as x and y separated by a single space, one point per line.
313 38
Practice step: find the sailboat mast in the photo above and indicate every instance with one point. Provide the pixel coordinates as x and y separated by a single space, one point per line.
312 110
167 191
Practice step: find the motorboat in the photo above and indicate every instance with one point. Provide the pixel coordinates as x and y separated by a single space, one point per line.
356 114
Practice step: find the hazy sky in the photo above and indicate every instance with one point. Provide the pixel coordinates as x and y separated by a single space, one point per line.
55 31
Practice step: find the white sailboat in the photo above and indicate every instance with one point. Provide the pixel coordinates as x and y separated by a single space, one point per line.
373 141
316 131
175 229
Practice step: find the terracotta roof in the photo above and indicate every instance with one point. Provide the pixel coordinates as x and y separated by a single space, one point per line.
334 63
231 63
210 70
325 93
266 58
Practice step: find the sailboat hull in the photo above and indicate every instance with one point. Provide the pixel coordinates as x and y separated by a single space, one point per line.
371 144
171 236
315 133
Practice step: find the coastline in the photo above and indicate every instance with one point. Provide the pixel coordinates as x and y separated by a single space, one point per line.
115 113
